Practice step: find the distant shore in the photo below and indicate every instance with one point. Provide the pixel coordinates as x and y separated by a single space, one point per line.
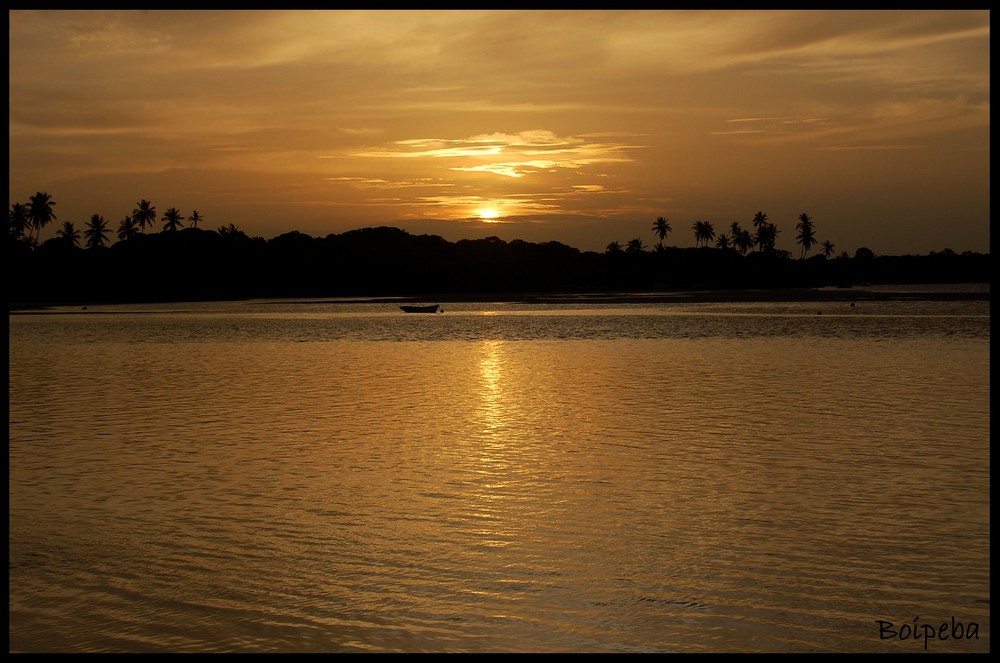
963 292
880 292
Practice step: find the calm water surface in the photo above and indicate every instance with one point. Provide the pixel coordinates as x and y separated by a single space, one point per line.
343 477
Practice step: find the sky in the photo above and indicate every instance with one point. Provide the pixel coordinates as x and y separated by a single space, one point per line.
581 127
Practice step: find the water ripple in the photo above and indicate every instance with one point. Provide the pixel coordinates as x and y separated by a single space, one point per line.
635 483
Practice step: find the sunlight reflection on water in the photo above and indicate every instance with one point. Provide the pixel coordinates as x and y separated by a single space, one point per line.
720 479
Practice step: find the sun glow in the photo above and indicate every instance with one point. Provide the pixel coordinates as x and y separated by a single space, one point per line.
488 214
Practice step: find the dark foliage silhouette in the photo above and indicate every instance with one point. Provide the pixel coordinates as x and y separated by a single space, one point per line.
661 227
69 234
40 212
386 261
144 214
127 229
383 261
703 232
806 237
96 232
18 221
172 220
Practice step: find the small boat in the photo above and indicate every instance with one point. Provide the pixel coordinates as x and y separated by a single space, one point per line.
433 308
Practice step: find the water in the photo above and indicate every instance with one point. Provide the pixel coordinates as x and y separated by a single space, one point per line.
342 477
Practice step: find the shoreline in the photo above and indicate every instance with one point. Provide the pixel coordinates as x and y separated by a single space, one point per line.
724 296
887 292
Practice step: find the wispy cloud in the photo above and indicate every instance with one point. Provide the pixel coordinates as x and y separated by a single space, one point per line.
507 155
376 183
866 148
592 114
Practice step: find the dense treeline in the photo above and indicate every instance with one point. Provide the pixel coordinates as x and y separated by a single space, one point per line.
193 263
196 264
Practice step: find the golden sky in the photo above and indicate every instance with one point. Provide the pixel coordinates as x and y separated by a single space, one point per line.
576 126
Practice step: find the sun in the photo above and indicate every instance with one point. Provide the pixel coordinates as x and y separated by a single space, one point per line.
488 214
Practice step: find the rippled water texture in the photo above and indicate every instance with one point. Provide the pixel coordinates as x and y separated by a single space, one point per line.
310 477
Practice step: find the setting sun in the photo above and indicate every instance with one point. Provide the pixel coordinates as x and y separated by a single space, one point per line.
465 318
426 133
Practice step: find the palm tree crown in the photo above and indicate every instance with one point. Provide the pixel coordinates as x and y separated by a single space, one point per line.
172 219
96 232
827 248
743 241
40 212
806 236
18 221
661 227
195 219
232 231
144 214
634 246
703 232
767 237
69 234
127 228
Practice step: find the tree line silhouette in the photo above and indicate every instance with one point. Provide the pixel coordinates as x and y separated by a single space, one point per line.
764 237
192 263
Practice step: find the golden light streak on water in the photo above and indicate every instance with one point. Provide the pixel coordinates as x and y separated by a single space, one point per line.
568 480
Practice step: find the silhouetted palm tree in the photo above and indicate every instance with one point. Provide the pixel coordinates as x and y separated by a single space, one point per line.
172 219
767 237
759 223
827 248
127 228
661 227
18 221
806 236
232 231
144 214
68 233
743 241
734 230
723 241
96 232
703 232
195 219
613 247
634 246
40 212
